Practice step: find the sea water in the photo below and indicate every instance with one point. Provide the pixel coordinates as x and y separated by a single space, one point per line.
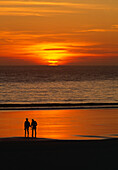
58 84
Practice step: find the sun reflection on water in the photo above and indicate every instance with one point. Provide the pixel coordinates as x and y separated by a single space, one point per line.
62 124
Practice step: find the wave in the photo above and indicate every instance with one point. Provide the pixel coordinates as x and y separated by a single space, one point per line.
37 106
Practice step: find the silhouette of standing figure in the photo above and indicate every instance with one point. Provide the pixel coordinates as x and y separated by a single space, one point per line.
26 127
33 125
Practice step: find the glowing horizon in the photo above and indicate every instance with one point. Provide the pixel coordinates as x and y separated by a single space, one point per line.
58 33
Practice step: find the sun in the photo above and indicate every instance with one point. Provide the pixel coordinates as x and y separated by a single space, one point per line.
53 62
52 54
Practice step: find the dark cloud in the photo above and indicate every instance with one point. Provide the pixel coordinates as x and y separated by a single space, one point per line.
14 61
55 49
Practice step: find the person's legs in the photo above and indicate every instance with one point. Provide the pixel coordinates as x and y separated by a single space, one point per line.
32 132
28 132
25 133
35 132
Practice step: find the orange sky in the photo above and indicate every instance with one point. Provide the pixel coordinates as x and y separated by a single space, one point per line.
74 32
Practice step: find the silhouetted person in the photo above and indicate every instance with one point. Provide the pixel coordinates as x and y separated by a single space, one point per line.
26 127
33 125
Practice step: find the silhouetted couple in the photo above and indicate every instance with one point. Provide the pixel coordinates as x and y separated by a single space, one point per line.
33 126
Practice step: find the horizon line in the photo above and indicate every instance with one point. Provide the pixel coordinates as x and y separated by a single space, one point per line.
27 65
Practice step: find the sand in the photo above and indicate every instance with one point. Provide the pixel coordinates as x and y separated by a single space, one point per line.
21 153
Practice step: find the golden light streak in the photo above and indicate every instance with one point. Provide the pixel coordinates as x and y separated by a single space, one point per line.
25 8
51 54
77 5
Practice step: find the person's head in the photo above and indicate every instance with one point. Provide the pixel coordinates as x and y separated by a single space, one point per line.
32 120
26 119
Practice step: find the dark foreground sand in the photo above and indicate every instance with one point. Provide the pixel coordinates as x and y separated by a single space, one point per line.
21 153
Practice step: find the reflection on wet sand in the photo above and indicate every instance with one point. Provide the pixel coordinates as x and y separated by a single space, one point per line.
62 124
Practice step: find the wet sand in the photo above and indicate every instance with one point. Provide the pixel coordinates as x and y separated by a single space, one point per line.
21 153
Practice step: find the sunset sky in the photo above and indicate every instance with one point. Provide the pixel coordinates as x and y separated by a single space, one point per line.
59 32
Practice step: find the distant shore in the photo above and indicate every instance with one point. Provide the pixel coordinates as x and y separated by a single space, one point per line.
22 153
42 106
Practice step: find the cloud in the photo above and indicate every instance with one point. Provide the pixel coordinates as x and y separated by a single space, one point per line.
93 60
36 8
39 3
55 49
97 30
29 44
17 60
115 26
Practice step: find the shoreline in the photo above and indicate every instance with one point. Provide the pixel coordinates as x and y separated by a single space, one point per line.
54 106
30 139
33 141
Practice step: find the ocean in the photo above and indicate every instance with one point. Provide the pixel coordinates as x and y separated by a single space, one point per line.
58 84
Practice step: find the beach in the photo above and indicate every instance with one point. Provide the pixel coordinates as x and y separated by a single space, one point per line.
58 84
72 138
62 124
21 153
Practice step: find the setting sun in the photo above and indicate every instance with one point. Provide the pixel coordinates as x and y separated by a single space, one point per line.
53 63
58 33
50 54
59 82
